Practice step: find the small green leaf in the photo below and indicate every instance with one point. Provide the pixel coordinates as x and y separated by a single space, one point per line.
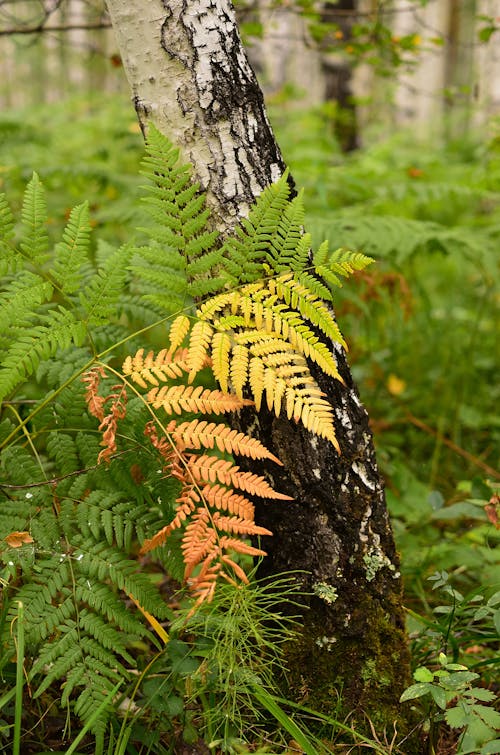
414 691
458 717
479 693
496 621
422 674
439 696
490 716
491 748
494 600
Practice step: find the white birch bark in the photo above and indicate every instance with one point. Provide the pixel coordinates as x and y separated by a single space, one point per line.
190 76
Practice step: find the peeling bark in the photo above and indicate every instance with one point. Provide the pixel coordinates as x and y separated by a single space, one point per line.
190 76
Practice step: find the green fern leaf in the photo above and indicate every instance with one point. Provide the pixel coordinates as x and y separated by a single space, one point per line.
101 295
10 259
20 300
72 251
35 241
58 329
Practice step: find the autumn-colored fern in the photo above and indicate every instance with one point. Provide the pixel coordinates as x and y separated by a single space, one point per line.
263 316
217 520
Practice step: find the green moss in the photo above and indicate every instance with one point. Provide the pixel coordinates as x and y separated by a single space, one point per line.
359 679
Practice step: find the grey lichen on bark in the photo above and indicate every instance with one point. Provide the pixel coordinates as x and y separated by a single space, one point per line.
190 76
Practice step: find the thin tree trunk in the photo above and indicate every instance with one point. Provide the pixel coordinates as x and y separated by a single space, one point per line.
189 75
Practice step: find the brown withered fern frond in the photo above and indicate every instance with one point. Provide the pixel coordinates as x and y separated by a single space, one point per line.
212 510
117 401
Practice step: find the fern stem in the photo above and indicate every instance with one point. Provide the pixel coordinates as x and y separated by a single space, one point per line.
16 747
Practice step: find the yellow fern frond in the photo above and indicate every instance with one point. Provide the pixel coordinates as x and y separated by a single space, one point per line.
239 368
178 331
187 398
211 307
304 340
256 377
199 341
221 346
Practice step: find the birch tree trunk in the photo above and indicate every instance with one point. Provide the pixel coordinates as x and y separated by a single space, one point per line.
190 76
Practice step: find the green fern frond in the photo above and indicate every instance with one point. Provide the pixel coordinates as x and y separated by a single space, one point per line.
162 277
106 514
341 262
72 251
20 300
179 233
289 246
246 251
6 220
35 241
100 296
10 259
383 236
57 330
100 562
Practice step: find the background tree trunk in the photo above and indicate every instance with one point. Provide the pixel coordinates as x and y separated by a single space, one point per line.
189 75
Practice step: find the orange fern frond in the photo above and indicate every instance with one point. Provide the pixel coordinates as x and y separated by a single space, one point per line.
238 525
199 433
212 469
95 403
152 370
187 398
109 423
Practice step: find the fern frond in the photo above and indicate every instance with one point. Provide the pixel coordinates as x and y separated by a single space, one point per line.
21 299
289 247
179 398
100 296
180 218
221 347
211 469
6 220
202 434
178 331
199 341
57 330
10 259
72 251
35 240
160 276
246 252
341 262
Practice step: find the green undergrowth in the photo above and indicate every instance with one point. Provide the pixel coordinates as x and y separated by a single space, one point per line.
421 330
